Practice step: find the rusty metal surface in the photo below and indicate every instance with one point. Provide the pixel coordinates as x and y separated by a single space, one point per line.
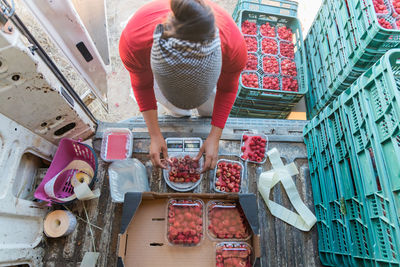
281 244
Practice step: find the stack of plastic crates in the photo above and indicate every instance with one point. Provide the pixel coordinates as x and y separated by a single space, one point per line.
345 40
353 150
275 93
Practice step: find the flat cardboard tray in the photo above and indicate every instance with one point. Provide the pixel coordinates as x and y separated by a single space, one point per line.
142 239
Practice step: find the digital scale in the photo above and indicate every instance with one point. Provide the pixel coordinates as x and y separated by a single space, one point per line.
182 145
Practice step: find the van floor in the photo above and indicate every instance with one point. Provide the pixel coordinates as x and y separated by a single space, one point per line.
281 244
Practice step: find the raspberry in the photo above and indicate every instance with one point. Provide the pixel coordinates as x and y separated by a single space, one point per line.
254 149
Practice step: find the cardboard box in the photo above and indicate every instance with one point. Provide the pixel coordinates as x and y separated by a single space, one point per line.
143 242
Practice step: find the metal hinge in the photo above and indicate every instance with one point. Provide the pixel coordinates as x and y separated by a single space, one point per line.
6 12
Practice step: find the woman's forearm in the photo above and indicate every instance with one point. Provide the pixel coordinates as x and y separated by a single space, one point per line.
151 119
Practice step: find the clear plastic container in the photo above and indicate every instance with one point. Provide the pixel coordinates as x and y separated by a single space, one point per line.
260 147
127 176
116 144
228 176
226 221
233 254
183 174
185 224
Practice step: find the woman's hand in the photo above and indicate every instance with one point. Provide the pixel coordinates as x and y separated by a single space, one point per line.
157 146
210 149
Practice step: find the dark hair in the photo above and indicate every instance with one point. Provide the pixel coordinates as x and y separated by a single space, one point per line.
192 20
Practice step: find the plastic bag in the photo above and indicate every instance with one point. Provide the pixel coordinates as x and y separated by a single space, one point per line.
127 176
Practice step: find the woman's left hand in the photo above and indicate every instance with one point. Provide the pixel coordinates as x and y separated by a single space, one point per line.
210 149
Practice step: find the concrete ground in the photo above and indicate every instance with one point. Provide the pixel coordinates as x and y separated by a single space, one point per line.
121 102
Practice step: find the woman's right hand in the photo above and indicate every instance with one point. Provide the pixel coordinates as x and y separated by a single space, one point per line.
158 146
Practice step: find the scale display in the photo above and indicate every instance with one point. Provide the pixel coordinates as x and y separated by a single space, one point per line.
184 144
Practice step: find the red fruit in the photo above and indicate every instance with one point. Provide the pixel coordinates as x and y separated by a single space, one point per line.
243 148
270 65
249 28
267 30
269 46
250 80
285 33
385 24
288 67
289 84
287 49
380 7
251 43
270 82
396 6
245 137
252 62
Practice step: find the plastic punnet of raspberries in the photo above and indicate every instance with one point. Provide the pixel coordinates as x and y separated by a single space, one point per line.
385 24
227 221
250 80
270 82
251 43
249 28
290 84
396 6
271 65
267 30
233 254
380 7
253 148
228 176
252 62
285 33
184 170
287 49
185 222
288 67
269 46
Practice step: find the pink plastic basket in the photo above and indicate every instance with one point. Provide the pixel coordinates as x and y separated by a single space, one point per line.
67 151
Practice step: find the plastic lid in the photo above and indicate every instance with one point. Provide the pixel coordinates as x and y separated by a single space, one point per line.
226 221
228 176
185 226
116 144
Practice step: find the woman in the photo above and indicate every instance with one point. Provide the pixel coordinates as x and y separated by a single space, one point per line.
185 54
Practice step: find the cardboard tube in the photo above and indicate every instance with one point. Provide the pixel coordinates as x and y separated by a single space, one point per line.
79 178
59 223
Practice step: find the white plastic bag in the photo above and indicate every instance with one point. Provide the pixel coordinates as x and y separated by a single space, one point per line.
127 176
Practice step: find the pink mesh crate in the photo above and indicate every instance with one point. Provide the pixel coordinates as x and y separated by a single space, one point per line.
68 151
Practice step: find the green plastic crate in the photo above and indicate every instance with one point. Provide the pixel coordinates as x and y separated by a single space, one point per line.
266 99
280 7
344 41
353 150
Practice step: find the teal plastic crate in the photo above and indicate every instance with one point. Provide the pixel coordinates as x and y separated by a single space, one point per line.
279 7
353 150
344 41
267 99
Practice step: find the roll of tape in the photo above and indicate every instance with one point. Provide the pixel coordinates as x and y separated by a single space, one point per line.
59 223
79 178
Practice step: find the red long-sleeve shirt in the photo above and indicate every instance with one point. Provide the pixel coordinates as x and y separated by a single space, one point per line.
135 48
